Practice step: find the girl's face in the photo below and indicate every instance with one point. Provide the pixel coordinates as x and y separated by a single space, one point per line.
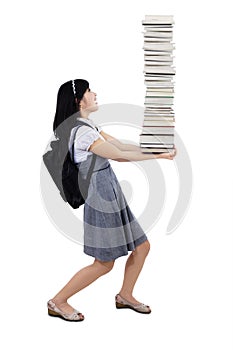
89 102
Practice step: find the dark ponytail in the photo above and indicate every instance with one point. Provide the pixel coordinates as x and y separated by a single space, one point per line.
68 99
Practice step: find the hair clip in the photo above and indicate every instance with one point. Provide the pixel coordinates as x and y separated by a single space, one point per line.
73 85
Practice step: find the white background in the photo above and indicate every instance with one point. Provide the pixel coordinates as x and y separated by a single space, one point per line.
187 279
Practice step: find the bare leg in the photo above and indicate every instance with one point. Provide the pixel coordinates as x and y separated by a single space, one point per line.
133 268
79 281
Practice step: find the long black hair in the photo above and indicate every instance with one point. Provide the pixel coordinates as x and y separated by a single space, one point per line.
68 99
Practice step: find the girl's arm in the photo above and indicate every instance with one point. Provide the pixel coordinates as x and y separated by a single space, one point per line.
106 149
118 144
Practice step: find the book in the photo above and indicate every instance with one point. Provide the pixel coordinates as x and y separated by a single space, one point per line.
157 34
154 93
156 40
158 46
158 123
158 117
157 146
157 53
157 135
156 63
157 29
156 150
157 58
159 18
158 84
157 139
153 89
160 130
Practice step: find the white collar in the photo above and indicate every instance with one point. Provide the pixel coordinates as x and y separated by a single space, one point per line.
87 120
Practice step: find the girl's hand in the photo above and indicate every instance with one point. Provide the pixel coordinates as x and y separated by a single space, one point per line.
168 155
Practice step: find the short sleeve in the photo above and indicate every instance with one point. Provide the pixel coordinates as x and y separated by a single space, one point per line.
85 137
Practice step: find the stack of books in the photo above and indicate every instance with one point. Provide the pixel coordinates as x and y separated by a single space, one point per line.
158 125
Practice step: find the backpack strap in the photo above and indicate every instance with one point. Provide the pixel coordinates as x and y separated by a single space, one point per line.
93 157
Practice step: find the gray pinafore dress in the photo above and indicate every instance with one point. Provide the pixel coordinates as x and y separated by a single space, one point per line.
110 228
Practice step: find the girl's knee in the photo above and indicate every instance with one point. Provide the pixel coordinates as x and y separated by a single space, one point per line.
144 248
104 266
147 246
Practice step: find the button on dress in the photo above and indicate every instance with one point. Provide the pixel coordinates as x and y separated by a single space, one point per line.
110 228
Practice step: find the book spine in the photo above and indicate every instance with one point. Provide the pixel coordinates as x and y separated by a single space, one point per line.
158 125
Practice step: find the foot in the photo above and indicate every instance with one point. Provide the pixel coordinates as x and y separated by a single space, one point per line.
123 303
63 306
64 310
129 298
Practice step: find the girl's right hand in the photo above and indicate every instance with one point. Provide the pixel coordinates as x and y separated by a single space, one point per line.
168 155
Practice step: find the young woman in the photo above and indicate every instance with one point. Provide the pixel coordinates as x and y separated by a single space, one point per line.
110 228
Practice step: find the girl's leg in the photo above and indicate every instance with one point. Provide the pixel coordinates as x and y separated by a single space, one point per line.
79 281
133 268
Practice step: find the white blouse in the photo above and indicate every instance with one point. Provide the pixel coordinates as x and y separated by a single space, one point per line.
85 137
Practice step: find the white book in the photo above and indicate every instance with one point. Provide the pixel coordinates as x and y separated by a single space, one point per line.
158 58
153 84
159 46
157 53
157 109
158 34
154 90
154 111
146 147
157 112
158 63
162 109
159 100
156 69
167 24
150 117
158 130
158 118
165 103
147 104
156 28
157 139
158 24
158 115
157 78
154 115
167 18
159 93
163 65
159 84
150 95
155 150
156 40
155 144
158 123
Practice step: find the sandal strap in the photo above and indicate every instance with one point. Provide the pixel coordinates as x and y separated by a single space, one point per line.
123 301
73 316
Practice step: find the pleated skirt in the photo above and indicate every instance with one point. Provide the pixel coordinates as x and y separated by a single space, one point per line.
110 228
